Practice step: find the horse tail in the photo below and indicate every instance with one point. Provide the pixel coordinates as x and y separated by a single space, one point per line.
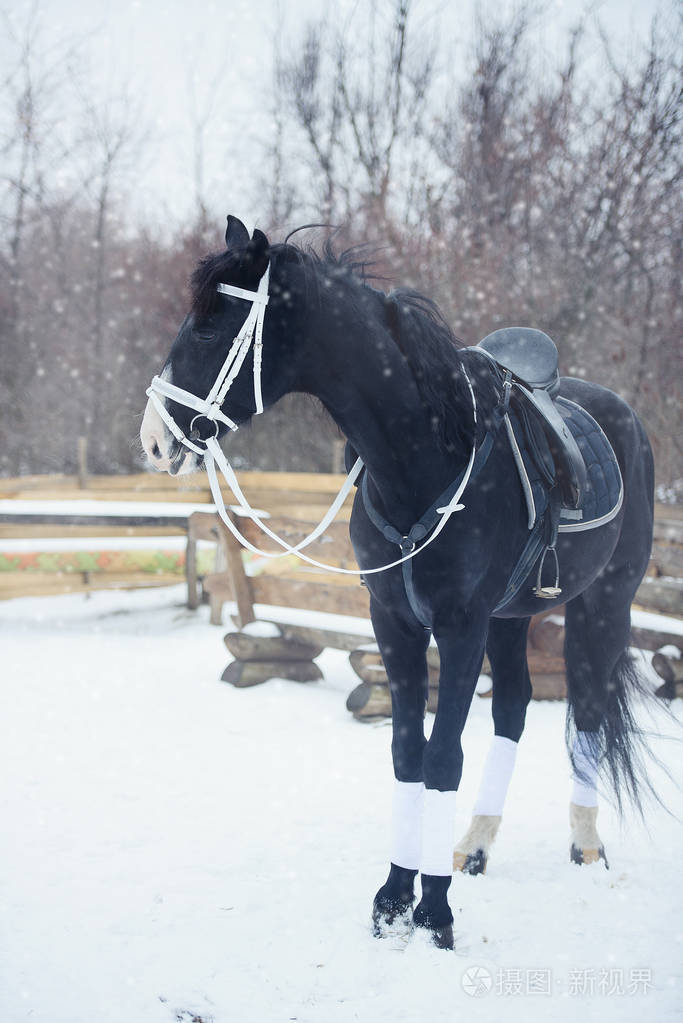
619 745
607 689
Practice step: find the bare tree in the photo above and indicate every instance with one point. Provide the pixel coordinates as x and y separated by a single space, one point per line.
531 197
360 99
36 79
112 139
203 104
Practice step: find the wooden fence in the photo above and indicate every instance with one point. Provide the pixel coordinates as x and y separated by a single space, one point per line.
156 505
153 505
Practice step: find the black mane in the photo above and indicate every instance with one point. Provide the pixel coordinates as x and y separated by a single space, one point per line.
220 267
415 322
439 365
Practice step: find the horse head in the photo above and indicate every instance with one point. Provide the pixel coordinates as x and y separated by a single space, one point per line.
215 377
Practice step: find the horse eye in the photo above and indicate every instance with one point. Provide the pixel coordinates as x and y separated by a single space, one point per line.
206 335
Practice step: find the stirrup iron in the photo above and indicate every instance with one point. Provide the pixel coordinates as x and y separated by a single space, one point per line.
548 592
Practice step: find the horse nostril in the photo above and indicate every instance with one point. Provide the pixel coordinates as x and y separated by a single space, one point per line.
155 450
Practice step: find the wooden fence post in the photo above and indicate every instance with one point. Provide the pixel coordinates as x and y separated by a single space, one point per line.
338 447
241 589
82 463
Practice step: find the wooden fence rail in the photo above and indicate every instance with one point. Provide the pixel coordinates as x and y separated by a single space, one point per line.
157 506
160 505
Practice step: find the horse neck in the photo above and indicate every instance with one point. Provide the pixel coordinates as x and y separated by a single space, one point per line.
359 374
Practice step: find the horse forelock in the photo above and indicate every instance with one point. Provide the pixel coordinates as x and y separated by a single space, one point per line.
214 269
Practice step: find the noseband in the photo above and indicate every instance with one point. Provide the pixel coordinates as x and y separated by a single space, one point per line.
209 408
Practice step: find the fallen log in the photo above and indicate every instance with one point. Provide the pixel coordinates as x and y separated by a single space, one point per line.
652 639
668 668
668 530
244 647
369 667
243 674
670 691
548 686
371 700
547 637
541 663
665 595
326 637
367 663
667 559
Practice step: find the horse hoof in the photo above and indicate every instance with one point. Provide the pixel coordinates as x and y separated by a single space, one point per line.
392 921
437 923
470 863
440 937
581 856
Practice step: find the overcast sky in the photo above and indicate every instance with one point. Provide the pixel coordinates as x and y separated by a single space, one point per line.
148 46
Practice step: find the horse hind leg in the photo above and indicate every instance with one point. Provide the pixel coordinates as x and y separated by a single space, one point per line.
586 844
602 736
506 648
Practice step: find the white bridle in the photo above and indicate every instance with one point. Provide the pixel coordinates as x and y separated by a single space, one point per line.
210 408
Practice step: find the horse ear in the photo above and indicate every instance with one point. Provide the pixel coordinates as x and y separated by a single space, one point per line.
255 259
236 234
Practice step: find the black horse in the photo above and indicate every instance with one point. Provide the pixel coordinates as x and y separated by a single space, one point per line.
405 394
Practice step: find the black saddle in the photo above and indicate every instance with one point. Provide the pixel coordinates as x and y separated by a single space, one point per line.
529 361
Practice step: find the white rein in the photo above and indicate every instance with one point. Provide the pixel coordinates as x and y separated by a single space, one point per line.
210 408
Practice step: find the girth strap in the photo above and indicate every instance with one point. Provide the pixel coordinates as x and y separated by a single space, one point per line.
425 524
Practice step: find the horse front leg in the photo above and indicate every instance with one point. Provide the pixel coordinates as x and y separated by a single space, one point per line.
461 640
506 648
403 650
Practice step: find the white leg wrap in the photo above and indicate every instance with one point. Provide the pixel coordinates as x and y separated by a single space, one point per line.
406 824
500 763
438 830
585 789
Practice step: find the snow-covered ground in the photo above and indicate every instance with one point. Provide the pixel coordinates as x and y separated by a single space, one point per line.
176 849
